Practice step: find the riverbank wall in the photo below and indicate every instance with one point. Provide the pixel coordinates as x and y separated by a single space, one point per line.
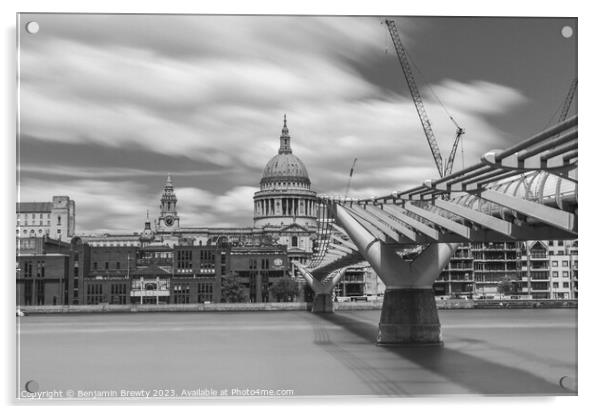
291 306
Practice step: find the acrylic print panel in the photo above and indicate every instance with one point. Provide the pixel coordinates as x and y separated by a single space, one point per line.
178 178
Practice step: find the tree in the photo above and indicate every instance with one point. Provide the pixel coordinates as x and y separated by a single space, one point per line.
284 290
506 286
232 291
308 293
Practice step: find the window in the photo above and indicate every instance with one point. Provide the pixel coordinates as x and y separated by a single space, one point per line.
95 265
106 265
205 292
94 294
560 252
118 293
565 263
561 242
117 265
555 263
554 274
294 241
181 293
565 284
40 293
41 269
28 269
565 274
555 285
184 259
58 221
28 292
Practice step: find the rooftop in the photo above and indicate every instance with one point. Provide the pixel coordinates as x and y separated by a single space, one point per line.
34 207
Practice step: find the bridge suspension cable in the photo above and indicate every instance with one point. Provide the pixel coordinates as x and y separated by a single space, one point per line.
324 221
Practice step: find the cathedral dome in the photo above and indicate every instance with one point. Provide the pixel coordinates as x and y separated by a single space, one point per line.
285 166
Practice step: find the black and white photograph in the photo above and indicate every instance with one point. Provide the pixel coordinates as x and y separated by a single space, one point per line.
278 207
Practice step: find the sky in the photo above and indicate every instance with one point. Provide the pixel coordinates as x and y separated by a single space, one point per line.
110 104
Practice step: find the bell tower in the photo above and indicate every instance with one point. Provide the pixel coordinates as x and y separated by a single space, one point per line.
168 219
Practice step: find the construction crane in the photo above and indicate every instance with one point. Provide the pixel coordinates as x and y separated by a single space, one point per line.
449 165
417 98
566 105
349 180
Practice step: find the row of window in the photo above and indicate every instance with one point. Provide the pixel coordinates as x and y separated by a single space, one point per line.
95 294
565 263
32 215
29 269
26 223
105 244
207 258
33 232
181 293
265 264
28 295
107 265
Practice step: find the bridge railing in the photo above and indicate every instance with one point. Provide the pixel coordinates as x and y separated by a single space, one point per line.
533 182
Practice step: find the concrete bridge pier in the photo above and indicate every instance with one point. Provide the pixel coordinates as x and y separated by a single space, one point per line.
409 314
322 303
322 289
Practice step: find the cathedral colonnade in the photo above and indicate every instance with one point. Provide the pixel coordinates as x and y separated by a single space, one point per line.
285 206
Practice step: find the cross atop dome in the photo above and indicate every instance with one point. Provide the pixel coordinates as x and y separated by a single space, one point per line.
285 140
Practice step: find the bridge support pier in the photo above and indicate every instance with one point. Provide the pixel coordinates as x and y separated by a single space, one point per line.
322 289
409 317
409 314
322 303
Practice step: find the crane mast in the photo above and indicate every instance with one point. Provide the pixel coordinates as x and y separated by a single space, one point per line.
350 176
449 165
407 71
566 105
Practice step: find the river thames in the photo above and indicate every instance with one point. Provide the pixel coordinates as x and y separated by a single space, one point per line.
200 355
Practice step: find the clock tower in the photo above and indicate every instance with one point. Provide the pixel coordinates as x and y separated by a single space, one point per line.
168 219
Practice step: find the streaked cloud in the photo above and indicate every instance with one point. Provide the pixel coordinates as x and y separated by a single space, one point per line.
213 90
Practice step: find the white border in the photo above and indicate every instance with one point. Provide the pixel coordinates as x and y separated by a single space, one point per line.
589 114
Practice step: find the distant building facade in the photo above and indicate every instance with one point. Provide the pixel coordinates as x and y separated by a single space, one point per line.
54 219
360 282
532 269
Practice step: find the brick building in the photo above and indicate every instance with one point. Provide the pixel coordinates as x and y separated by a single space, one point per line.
50 272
